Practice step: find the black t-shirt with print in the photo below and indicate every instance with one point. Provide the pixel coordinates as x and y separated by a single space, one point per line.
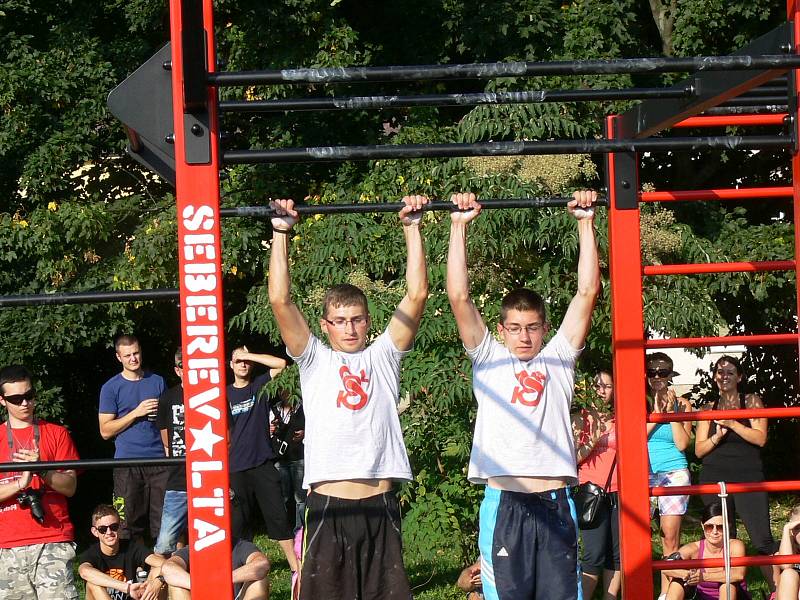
170 417
122 566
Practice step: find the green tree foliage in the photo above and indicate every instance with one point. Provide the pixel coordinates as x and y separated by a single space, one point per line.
76 214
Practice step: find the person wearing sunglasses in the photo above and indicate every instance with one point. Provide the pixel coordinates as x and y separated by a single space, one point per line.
666 444
523 450
36 535
731 451
707 583
110 567
354 447
596 450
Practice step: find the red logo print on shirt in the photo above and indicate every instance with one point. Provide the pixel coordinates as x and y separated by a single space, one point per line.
528 384
353 395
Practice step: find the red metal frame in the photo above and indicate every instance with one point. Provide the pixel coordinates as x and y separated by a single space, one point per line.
629 346
767 339
730 267
202 335
731 120
732 488
709 415
714 194
627 326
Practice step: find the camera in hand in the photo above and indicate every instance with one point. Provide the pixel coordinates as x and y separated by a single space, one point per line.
33 499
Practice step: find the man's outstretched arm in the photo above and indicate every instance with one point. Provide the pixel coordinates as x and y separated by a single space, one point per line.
275 364
406 319
470 324
293 327
578 318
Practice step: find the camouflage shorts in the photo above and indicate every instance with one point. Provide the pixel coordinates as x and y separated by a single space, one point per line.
38 572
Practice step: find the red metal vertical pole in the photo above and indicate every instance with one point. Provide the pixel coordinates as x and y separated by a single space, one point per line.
627 335
793 15
202 321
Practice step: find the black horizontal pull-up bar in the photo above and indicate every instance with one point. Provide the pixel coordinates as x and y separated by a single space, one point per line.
505 69
401 151
92 463
376 207
89 297
468 99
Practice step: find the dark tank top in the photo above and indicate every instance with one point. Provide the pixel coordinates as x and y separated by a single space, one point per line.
733 455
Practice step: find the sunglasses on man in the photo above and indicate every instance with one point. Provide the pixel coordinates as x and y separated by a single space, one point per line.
104 528
662 373
17 399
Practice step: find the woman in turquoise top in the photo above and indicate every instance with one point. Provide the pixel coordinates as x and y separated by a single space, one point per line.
666 443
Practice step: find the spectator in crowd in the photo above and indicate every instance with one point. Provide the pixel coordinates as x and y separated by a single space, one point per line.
707 583
254 479
250 573
170 421
666 443
111 567
127 413
36 535
789 582
287 430
596 451
523 449
354 446
731 451
469 581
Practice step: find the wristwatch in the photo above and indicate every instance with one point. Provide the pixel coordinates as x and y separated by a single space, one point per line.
161 579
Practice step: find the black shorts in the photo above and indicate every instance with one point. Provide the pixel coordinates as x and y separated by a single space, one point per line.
529 545
353 549
601 544
259 486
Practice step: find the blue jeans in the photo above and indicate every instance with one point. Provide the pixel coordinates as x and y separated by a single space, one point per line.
292 488
173 521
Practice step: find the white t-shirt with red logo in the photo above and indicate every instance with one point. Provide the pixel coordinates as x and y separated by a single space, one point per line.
350 402
523 425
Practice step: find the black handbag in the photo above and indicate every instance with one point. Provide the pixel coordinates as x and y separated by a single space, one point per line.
591 501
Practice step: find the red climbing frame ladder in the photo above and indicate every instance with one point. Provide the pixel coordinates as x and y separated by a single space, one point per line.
630 345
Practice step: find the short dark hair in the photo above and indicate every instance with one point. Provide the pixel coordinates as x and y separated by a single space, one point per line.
14 374
344 294
729 359
125 339
179 357
712 510
103 510
663 356
522 299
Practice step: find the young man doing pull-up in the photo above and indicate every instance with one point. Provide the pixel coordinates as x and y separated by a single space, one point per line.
354 447
522 447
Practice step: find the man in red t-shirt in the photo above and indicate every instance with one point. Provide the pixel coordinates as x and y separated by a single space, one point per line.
36 535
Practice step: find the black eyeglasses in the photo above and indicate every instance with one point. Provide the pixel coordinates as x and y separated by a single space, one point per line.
104 528
342 323
659 372
17 399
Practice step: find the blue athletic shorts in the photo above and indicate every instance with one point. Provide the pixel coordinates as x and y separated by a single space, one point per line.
529 546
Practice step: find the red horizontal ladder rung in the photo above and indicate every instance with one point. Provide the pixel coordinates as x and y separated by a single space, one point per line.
777 412
727 267
736 561
765 339
717 194
732 120
790 485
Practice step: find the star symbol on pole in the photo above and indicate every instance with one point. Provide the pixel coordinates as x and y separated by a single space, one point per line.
205 439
